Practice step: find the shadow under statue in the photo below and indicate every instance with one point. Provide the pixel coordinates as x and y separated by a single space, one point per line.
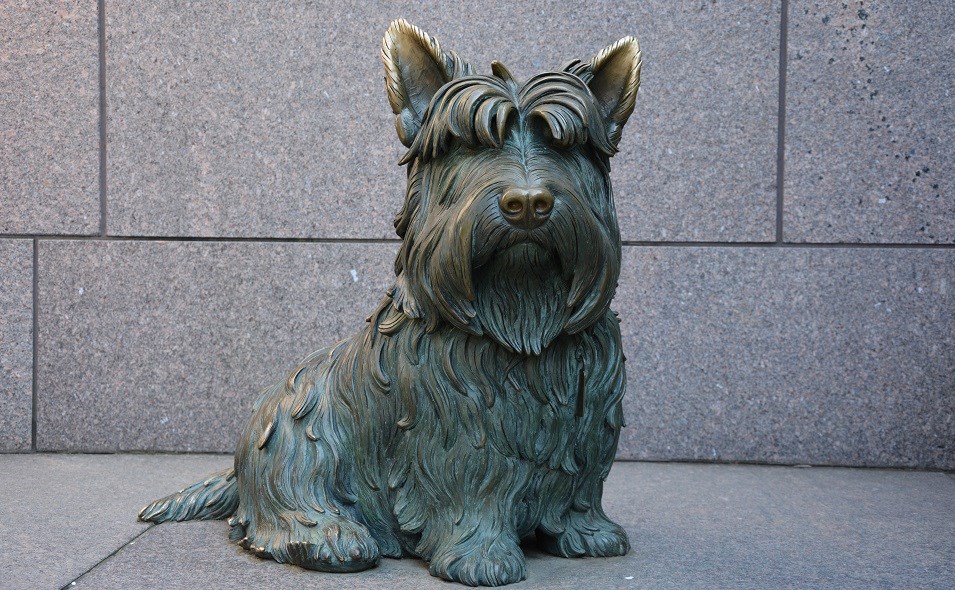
482 401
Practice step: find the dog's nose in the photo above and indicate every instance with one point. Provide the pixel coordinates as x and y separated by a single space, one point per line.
526 207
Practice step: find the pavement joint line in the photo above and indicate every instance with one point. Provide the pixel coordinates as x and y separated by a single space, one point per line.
72 583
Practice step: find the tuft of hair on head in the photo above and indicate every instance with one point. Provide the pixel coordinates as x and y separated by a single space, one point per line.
499 70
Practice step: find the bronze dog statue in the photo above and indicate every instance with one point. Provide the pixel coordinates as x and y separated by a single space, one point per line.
482 401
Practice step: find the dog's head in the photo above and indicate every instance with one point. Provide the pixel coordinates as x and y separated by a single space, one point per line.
509 225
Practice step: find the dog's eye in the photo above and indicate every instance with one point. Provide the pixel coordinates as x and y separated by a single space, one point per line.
538 127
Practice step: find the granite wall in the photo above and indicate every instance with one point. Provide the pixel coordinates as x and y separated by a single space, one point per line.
195 194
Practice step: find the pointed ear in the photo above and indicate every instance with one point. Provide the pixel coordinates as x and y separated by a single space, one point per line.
415 68
613 76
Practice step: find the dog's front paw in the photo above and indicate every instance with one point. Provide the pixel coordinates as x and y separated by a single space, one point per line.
497 564
332 545
337 546
587 534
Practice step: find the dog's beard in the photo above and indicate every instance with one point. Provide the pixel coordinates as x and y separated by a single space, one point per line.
521 298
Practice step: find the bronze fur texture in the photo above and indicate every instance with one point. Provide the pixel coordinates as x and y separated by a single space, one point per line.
481 403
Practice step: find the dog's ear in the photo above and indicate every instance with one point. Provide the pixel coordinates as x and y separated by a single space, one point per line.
415 68
613 76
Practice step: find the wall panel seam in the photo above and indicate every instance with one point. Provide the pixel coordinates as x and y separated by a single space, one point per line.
641 243
635 243
34 329
781 119
101 31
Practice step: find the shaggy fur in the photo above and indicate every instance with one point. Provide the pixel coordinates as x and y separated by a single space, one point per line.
481 403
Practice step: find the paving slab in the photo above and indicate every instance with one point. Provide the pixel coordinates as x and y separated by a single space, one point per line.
62 514
247 119
691 526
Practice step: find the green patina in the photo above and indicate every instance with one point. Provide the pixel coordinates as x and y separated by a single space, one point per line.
481 403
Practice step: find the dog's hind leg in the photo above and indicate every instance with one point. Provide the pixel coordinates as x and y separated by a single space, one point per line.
296 503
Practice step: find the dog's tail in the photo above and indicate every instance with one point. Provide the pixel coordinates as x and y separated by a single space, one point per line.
214 498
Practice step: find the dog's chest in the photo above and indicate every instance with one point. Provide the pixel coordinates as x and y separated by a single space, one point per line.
469 397
538 415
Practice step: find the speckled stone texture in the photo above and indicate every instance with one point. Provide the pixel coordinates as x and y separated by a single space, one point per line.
165 345
870 148
269 120
16 344
60 515
792 355
217 110
691 527
49 117
827 356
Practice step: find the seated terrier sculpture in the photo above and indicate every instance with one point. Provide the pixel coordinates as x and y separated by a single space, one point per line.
482 401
